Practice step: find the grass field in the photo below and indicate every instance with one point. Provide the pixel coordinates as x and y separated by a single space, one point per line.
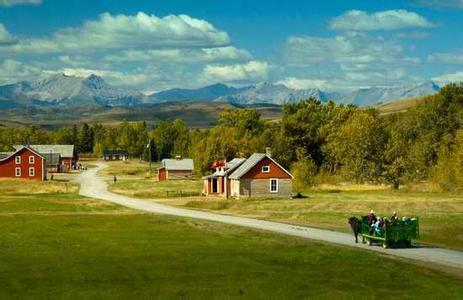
55 244
441 214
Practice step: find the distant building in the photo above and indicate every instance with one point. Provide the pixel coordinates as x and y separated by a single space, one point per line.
177 168
25 162
68 156
257 176
115 155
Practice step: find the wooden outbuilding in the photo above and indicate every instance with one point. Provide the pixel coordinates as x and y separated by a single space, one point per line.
178 168
115 155
257 176
25 162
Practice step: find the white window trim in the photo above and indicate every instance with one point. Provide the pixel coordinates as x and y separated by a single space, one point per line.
32 159
270 185
31 174
268 169
17 159
17 172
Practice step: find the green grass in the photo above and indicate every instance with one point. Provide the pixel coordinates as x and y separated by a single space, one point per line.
157 189
56 244
135 169
441 214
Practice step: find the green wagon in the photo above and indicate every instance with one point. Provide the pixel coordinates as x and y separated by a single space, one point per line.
401 233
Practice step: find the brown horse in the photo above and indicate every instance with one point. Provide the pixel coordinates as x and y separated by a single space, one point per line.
355 224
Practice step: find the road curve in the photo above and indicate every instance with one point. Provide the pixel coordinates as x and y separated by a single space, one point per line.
91 185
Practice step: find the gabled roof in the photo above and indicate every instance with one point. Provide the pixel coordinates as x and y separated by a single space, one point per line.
63 150
230 167
19 148
250 163
177 164
52 159
115 152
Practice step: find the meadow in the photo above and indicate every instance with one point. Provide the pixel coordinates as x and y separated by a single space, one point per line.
56 244
327 206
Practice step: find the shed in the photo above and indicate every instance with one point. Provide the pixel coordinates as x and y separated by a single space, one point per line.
115 155
177 168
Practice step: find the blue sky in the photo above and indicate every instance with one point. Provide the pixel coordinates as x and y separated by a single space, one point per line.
155 45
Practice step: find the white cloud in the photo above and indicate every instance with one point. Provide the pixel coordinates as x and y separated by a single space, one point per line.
359 20
413 35
301 84
5 37
126 32
251 71
181 55
9 3
11 71
449 78
447 58
348 61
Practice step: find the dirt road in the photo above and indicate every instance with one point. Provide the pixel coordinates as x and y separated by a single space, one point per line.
91 185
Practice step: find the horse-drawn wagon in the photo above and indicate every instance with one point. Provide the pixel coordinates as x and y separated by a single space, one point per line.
398 233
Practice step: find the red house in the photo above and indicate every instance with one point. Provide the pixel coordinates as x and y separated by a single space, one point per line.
257 176
25 162
67 155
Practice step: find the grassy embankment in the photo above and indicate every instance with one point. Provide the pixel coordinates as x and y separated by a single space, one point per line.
328 206
56 244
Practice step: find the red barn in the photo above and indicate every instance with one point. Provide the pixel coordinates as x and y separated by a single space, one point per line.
67 155
25 162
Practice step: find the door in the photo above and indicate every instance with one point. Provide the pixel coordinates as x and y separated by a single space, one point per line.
214 185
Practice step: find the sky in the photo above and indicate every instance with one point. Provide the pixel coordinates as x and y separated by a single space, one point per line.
153 45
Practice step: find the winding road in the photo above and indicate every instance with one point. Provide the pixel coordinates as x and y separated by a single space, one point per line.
91 185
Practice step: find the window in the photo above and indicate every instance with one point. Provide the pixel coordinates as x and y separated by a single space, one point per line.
17 172
31 171
273 185
265 169
31 159
18 160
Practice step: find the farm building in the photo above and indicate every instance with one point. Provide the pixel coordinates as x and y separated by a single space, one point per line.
115 155
257 176
177 168
25 162
68 156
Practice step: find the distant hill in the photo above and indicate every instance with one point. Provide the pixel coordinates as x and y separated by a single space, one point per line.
60 89
208 93
397 106
377 95
63 90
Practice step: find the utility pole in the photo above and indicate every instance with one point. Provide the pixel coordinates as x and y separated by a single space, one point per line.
149 155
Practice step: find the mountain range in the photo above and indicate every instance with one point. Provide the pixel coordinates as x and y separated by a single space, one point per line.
64 90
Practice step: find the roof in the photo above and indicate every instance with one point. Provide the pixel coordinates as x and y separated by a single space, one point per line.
250 163
52 159
5 154
64 150
19 148
230 167
177 164
115 152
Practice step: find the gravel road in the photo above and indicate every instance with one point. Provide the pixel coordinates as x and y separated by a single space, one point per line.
91 185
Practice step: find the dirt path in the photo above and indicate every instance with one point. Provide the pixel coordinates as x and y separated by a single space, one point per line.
95 187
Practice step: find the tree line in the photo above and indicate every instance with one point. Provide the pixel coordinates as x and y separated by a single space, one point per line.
313 139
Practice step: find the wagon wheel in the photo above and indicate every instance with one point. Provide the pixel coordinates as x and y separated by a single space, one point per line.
385 245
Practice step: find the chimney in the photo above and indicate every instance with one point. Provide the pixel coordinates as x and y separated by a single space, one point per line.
178 157
268 151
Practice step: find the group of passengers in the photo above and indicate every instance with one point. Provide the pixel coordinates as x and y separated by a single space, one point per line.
378 223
